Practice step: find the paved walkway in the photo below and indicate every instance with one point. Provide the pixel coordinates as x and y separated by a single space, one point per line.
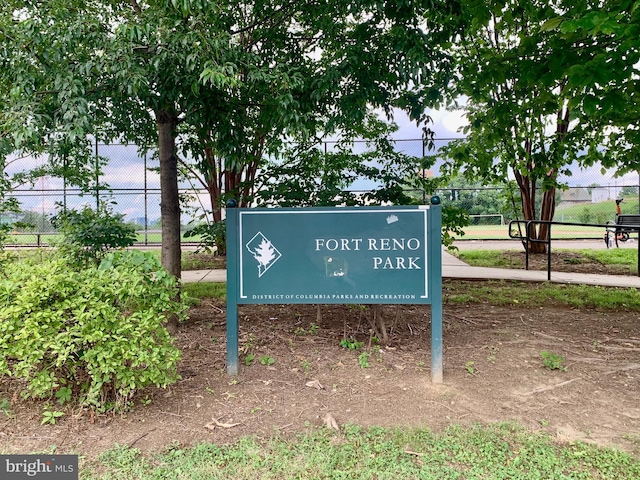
452 267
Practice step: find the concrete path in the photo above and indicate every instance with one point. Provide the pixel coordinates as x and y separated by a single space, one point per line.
452 267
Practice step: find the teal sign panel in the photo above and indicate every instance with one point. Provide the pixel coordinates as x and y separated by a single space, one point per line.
341 255
337 255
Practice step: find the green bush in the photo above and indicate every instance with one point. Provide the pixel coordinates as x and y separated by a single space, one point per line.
212 235
88 235
95 335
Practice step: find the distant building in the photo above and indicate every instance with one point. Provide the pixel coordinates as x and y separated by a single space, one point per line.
602 194
575 196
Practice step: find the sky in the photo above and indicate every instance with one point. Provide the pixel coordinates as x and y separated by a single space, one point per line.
126 171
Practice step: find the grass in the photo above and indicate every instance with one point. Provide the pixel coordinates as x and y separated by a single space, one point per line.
613 256
494 451
202 290
493 258
594 212
193 261
544 294
502 292
484 258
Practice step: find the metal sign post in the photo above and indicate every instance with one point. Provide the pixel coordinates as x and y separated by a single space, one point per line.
350 255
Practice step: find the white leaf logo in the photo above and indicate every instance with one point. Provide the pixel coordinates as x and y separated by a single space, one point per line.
263 251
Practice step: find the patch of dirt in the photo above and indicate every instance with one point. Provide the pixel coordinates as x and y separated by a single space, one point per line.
563 261
493 372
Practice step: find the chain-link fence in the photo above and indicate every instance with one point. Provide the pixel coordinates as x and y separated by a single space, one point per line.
131 181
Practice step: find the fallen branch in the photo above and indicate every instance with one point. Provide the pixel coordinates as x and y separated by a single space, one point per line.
409 452
619 349
466 320
622 340
633 366
551 387
550 337
215 423
140 437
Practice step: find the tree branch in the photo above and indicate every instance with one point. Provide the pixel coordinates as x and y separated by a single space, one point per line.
136 6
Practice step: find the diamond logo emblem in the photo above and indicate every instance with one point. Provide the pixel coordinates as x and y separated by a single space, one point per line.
264 252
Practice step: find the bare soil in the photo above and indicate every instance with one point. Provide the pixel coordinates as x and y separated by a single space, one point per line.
565 261
493 372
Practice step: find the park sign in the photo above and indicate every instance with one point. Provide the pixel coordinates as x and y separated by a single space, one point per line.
334 255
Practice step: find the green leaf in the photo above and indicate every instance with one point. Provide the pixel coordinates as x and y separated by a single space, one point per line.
590 105
552 24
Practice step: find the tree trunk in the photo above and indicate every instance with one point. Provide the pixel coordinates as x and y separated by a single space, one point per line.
378 324
213 182
169 197
238 182
527 186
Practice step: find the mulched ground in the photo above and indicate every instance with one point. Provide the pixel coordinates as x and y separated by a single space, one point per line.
493 372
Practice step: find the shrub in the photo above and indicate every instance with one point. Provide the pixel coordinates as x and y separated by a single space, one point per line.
88 234
212 235
95 335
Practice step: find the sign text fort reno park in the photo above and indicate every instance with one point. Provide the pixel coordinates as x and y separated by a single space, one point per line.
331 246
385 255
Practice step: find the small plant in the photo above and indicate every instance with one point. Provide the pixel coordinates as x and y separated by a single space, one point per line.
363 359
248 359
357 308
49 417
470 367
492 356
248 345
312 330
351 344
266 360
306 366
633 438
63 395
5 407
553 361
377 351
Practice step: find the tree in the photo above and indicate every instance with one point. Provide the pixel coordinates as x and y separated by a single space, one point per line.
31 221
476 199
310 80
603 88
306 175
224 83
512 74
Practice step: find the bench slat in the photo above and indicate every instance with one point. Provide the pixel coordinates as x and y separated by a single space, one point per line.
627 218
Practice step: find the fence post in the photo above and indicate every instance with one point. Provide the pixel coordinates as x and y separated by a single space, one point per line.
232 287
146 202
97 166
